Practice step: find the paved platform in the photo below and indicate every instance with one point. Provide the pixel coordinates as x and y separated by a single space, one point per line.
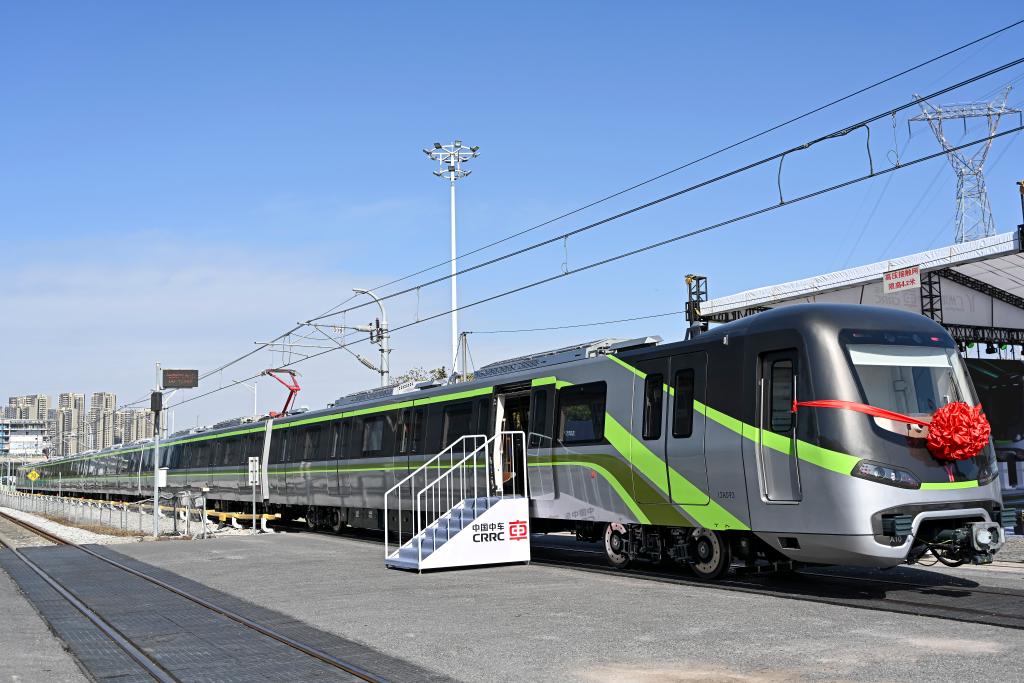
192 643
541 623
29 651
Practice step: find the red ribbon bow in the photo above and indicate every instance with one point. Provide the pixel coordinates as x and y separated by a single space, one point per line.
956 431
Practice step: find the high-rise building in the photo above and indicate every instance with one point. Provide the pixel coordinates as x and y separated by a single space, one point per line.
34 407
133 424
100 428
70 430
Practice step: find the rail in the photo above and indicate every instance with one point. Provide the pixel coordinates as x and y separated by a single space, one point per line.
452 487
465 444
151 664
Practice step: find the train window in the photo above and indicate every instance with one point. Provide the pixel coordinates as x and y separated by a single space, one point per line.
581 413
312 445
485 424
410 430
373 436
540 432
653 394
230 452
456 422
781 396
217 452
340 430
682 408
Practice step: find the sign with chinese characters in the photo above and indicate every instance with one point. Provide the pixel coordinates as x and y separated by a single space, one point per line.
899 280
180 379
500 534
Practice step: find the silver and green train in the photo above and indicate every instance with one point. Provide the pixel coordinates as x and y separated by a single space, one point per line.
689 451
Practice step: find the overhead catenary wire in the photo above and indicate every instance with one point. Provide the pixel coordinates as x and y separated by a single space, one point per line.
655 245
713 154
704 183
652 179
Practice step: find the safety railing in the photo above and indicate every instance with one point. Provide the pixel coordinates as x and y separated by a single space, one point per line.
495 469
178 514
459 448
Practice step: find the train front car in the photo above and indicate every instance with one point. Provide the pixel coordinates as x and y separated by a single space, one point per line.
867 487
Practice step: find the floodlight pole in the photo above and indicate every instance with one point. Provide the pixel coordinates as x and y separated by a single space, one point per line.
156 452
450 159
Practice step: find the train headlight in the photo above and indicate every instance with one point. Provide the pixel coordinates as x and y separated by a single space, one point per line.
884 474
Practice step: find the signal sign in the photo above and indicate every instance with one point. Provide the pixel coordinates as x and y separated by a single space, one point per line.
180 379
33 475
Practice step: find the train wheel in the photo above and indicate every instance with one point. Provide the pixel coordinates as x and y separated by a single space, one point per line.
311 516
615 545
711 555
336 522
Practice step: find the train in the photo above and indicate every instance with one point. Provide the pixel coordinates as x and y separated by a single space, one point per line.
690 452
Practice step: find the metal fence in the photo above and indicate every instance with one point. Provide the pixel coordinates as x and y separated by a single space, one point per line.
133 518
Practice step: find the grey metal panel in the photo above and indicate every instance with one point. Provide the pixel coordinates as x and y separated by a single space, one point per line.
687 456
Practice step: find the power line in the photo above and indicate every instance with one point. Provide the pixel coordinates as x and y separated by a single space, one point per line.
635 186
654 245
715 153
779 156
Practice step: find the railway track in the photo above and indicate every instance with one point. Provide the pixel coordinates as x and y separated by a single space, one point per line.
151 663
909 591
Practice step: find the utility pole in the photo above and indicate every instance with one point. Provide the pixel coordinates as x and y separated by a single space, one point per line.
449 160
156 404
379 333
1020 184
973 211
253 388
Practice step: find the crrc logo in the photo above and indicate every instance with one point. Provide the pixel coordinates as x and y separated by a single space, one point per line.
517 530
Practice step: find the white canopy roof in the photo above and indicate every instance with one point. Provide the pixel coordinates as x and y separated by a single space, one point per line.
994 261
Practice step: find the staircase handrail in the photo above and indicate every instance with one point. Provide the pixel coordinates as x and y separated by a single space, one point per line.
448 450
417 514
424 466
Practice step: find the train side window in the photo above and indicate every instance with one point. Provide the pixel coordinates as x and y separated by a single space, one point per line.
540 430
581 413
781 396
373 436
310 442
682 408
653 395
340 430
410 430
457 422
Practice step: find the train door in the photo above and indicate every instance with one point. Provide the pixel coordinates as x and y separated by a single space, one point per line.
685 430
539 443
511 414
650 474
778 470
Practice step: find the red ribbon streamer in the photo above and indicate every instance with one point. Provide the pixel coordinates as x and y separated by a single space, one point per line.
956 431
860 408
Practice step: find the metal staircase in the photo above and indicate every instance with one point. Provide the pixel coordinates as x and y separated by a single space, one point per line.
467 505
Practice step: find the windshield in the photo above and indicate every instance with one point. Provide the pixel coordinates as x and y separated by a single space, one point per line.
913 380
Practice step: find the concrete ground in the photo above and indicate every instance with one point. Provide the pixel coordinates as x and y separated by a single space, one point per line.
28 650
541 623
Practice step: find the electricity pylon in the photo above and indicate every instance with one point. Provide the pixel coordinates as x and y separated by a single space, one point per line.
973 211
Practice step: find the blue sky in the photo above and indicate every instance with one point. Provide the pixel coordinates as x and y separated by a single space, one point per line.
181 180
